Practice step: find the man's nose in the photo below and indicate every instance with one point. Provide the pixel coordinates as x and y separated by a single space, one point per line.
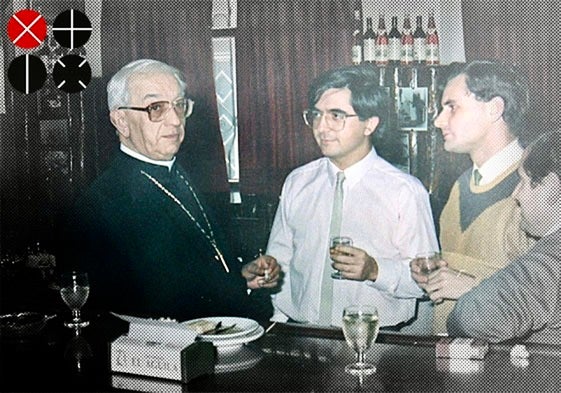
321 123
172 117
439 122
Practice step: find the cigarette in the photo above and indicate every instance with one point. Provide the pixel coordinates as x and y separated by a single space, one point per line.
267 277
270 327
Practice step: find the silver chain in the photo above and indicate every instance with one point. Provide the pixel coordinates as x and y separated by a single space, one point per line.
210 235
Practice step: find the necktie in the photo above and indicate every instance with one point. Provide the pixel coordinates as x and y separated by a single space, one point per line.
334 230
476 177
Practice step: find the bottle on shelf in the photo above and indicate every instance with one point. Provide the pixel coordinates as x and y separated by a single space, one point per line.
394 37
382 43
419 43
369 42
432 42
357 48
407 42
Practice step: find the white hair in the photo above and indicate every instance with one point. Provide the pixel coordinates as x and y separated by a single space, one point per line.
118 89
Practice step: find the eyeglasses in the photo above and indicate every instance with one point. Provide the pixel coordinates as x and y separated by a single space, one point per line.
157 111
334 119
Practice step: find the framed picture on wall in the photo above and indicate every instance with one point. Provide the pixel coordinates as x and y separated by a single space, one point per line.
54 132
412 108
52 103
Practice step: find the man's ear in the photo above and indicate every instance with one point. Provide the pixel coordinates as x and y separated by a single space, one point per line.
371 125
496 108
119 121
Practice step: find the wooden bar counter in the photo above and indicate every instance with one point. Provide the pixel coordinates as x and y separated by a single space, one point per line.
288 358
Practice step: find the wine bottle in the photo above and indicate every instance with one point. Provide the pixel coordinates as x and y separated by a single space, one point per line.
407 42
432 42
394 53
419 43
357 48
369 42
382 43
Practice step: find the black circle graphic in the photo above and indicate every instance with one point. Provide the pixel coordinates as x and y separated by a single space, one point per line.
72 29
27 73
72 73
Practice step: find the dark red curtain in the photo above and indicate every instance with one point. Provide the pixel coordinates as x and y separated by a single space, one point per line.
525 33
280 47
178 33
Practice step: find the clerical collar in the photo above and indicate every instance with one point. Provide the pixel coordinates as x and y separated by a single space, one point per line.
141 157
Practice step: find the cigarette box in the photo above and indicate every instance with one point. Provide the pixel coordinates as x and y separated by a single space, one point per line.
161 349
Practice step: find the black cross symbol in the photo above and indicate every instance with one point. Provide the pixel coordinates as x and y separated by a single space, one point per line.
72 29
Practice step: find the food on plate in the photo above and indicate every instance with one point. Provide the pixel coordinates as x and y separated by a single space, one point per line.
202 325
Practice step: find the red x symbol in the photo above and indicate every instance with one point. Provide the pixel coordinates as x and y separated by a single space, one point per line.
27 29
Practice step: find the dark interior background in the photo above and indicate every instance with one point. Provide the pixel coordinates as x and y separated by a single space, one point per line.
281 46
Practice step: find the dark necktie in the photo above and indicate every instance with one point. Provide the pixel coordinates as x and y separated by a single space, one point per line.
476 177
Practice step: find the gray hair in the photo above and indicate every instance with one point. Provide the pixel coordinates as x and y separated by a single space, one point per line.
118 89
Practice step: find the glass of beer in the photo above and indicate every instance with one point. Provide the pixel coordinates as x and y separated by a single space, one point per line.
339 241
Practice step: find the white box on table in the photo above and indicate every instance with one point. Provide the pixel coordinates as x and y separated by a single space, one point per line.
161 349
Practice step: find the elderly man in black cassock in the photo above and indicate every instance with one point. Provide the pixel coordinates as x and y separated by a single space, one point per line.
142 231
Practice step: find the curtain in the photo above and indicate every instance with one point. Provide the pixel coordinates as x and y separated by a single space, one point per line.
525 33
178 33
280 47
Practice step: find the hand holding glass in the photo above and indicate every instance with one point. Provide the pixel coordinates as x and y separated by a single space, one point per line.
427 262
74 290
339 241
360 327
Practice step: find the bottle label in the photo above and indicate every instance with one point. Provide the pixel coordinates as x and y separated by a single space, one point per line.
369 50
394 53
406 54
419 50
433 54
356 52
382 54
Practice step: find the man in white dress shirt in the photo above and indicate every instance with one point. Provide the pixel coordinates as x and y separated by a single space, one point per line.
385 211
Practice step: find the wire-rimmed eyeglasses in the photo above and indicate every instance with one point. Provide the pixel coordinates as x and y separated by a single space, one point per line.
157 111
334 119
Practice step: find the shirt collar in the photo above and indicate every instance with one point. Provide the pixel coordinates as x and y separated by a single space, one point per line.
141 157
356 171
500 162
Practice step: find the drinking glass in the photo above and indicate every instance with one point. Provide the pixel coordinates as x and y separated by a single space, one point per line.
360 327
74 290
339 241
428 262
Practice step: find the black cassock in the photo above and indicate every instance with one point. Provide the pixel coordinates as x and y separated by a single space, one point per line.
145 255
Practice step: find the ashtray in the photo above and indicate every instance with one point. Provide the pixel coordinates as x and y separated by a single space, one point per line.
23 324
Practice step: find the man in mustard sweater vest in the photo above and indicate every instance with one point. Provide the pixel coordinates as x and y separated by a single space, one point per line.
484 106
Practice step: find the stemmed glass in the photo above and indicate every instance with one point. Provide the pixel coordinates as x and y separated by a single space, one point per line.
339 241
74 290
360 327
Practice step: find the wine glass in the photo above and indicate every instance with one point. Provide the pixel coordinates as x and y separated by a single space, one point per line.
339 241
360 327
74 290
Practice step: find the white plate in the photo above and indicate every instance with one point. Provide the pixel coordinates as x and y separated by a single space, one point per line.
242 359
235 342
243 327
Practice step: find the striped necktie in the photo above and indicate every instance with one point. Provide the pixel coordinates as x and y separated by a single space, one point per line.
334 230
